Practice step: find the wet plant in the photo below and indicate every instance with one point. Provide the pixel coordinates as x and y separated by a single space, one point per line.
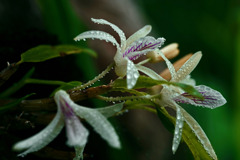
162 92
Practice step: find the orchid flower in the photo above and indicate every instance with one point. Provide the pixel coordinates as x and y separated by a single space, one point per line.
67 112
172 95
128 50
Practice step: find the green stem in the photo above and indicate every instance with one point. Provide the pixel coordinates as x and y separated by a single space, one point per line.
47 82
115 99
91 82
141 107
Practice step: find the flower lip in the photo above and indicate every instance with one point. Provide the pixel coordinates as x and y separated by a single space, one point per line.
142 46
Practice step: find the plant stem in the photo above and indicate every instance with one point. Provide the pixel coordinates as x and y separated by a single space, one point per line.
48 82
89 83
115 99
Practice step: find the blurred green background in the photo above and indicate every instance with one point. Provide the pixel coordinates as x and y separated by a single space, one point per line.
212 27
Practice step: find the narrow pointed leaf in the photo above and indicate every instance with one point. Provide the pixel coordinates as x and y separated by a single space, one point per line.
193 136
201 136
16 86
12 104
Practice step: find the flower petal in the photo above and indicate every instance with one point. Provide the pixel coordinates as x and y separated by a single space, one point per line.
76 133
99 123
212 98
139 34
142 46
149 72
198 131
98 35
188 67
189 81
111 110
178 129
132 75
42 138
169 64
115 28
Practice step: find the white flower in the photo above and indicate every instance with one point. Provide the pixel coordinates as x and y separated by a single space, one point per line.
76 133
128 50
172 95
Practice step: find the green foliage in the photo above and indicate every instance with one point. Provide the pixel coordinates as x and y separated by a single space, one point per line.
67 86
45 52
15 87
6 107
147 82
192 134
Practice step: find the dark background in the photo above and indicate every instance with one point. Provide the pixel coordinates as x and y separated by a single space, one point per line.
209 26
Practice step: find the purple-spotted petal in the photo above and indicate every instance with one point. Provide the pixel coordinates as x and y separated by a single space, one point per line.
142 46
76 133
212 98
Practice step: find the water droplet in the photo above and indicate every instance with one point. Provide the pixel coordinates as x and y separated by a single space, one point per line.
135 75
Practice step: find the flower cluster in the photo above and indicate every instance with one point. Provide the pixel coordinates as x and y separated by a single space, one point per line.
130 49
127 51
140 44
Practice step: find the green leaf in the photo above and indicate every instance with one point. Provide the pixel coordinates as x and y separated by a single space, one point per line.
45 52
16 86
165 120
125 90
193 135
12 104
147 82
67 86
140 104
